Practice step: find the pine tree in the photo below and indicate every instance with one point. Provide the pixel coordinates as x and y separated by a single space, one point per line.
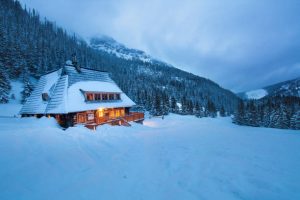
4 85
3 41
283 120
222 112
27 86
197 110
157 109
173 105
252 114
274 119
295 120
184 105
190 107
267 110
239 117
212 111
165 104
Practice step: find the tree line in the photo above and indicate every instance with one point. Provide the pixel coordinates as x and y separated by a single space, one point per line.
272 111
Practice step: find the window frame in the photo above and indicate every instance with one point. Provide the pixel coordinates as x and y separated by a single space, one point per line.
102 96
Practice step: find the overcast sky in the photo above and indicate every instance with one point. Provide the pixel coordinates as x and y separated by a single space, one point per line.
240 44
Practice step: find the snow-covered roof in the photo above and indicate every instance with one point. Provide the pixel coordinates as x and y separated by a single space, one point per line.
35 103
78 102
65 87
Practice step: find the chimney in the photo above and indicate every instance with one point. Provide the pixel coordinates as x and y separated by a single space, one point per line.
75 63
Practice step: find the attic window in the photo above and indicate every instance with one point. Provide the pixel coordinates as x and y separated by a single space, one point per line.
97 96
45 96
111 97
89 97
101 96
104 97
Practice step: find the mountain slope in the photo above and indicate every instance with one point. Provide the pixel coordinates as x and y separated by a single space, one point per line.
143 78
286 88
30 47
111 46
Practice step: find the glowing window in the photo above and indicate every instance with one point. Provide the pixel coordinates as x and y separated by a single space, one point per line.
93 96
89 97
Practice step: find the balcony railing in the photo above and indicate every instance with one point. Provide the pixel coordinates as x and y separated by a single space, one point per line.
134 116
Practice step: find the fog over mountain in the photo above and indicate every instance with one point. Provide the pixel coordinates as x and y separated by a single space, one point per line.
241 45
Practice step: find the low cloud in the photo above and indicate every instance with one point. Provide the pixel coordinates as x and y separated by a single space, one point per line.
239 44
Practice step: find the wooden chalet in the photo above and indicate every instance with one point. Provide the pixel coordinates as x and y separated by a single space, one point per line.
76 95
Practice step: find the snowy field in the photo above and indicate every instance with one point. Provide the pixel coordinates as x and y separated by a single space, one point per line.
180 157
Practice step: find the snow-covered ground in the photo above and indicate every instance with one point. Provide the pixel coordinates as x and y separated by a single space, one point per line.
180 157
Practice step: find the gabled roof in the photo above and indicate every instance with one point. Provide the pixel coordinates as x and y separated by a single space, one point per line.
64 89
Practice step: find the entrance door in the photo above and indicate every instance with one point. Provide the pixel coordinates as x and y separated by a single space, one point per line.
81 117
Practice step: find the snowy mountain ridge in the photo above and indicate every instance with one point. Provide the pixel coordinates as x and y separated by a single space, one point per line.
154 78
256 94
286 88
111 46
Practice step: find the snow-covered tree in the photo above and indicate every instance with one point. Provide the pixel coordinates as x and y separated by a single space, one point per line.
283 121
295 120
222 112
27 86
173 105
4 85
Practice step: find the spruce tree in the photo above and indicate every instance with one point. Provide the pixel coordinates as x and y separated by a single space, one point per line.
157 109
252 114
239 117
173 105
4 85
212 112
283 120
27 86
197 110
295 120
222 112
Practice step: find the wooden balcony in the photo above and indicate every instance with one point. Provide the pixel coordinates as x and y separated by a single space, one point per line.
131 117
134 117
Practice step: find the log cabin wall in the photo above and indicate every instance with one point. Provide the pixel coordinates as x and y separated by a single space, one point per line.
98 116
84 117
103 115
65 120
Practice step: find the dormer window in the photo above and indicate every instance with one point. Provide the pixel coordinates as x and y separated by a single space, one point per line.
101 96
98 97
45 96
104 97
111 96
89 97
